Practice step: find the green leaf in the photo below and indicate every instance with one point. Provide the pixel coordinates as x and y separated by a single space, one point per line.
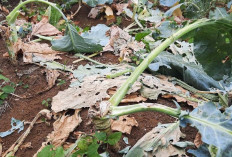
3 78
3 96
46 152
215 127
97 35
218 13
167 28
54 16
100 136
168 3
72 41
8 89
93 3
192 74
82 71
93 150
59 152
212 48
139 36
114 138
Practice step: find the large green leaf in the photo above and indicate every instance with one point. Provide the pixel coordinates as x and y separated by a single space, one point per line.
215 127
94 3
168 3
212 47
97 35
192 74
72 41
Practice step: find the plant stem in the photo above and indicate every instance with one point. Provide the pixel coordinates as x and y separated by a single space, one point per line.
125 110
111 76
118 96
13 14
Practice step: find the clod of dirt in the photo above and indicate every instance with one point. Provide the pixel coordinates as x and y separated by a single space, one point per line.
92 90
124 124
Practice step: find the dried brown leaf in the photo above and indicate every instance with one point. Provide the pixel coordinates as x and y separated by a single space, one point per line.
26 145
94 12
197 141
120 7
63 127
124 124
93 89
122 44
37 52
4 9
44 28
51 76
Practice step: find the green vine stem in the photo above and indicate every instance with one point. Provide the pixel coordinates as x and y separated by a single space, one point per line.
121 92
129 109
14 13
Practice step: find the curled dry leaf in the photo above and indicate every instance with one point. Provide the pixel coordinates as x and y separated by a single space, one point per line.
120 7
51 76
93 89
109 13
37 52
122 43
44 28
124 124
4 9
197 141
94 12
26 145
160 85
63 127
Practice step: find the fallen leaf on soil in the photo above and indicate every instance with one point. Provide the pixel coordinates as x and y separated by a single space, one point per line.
197 141
122 43
160 85
38 52
15 125
124 124
93 89
109 13
51 76
44 28
94 12
162 141
63 127
4 9
6 54
120 7
26 145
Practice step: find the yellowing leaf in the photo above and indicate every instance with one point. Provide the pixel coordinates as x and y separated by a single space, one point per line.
178 11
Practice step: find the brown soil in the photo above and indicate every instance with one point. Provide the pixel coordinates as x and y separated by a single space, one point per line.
26 109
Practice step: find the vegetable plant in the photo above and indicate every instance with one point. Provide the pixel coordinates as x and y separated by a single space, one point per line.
207 118
85 145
